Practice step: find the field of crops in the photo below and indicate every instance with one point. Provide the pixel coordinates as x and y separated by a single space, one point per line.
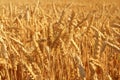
59 40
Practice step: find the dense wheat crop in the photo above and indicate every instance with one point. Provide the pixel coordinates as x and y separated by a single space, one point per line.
59 41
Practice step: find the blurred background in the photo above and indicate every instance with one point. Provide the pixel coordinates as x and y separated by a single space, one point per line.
60 1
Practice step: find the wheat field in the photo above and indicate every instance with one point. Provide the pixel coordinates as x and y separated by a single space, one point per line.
59 40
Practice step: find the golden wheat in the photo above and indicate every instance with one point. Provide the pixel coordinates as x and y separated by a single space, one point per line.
59 41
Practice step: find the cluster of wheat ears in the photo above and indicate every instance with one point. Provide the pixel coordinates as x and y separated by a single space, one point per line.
60 42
